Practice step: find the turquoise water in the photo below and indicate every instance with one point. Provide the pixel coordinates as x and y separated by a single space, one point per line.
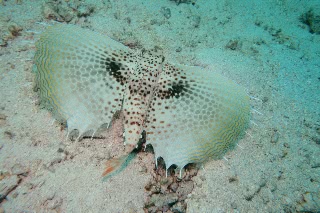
271 48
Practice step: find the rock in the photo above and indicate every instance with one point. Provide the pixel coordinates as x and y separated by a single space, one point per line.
182 1
156 188
15 194
197 181
50 166
55 161
66 13
196 21
25 188
54 203
9 134
234 45
7 185
4 175
316 139
85 10
48 11
174 187
203 178
148 186
160 200
178 208
143 169
310 202
3 117
18 169
152 209
179 49
251 191
184 189
234 205
312 19
275 136
56 11
266 195
3 42
272 186
166 12
233 179
14 29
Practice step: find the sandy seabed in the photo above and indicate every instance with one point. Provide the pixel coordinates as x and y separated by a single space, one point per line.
263 46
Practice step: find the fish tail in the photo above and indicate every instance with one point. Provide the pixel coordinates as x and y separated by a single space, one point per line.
117 165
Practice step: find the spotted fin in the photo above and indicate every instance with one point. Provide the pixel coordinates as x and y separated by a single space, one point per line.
81 76
196 115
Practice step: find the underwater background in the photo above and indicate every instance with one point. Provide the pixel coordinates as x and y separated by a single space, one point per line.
271 48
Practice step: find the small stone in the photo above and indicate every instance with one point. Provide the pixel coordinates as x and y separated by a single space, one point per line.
174 187
3 42
55 203
178 208
266 196
55 161
233 179
196 21
197 181
202 177
4 175
3 117
155 188
15 30
284 153
163 180
265 99
143 169
160 200
84 11
148 186
315 161
60 150
193 172
312 19
251 191
18 169
15 194
234 205
8 134
316 139
166 12
275 136
185 189
272 186
309 202
170 180
152 209
48 11
234 45
7 185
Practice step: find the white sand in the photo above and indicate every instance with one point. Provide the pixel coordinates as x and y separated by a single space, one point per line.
281 69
